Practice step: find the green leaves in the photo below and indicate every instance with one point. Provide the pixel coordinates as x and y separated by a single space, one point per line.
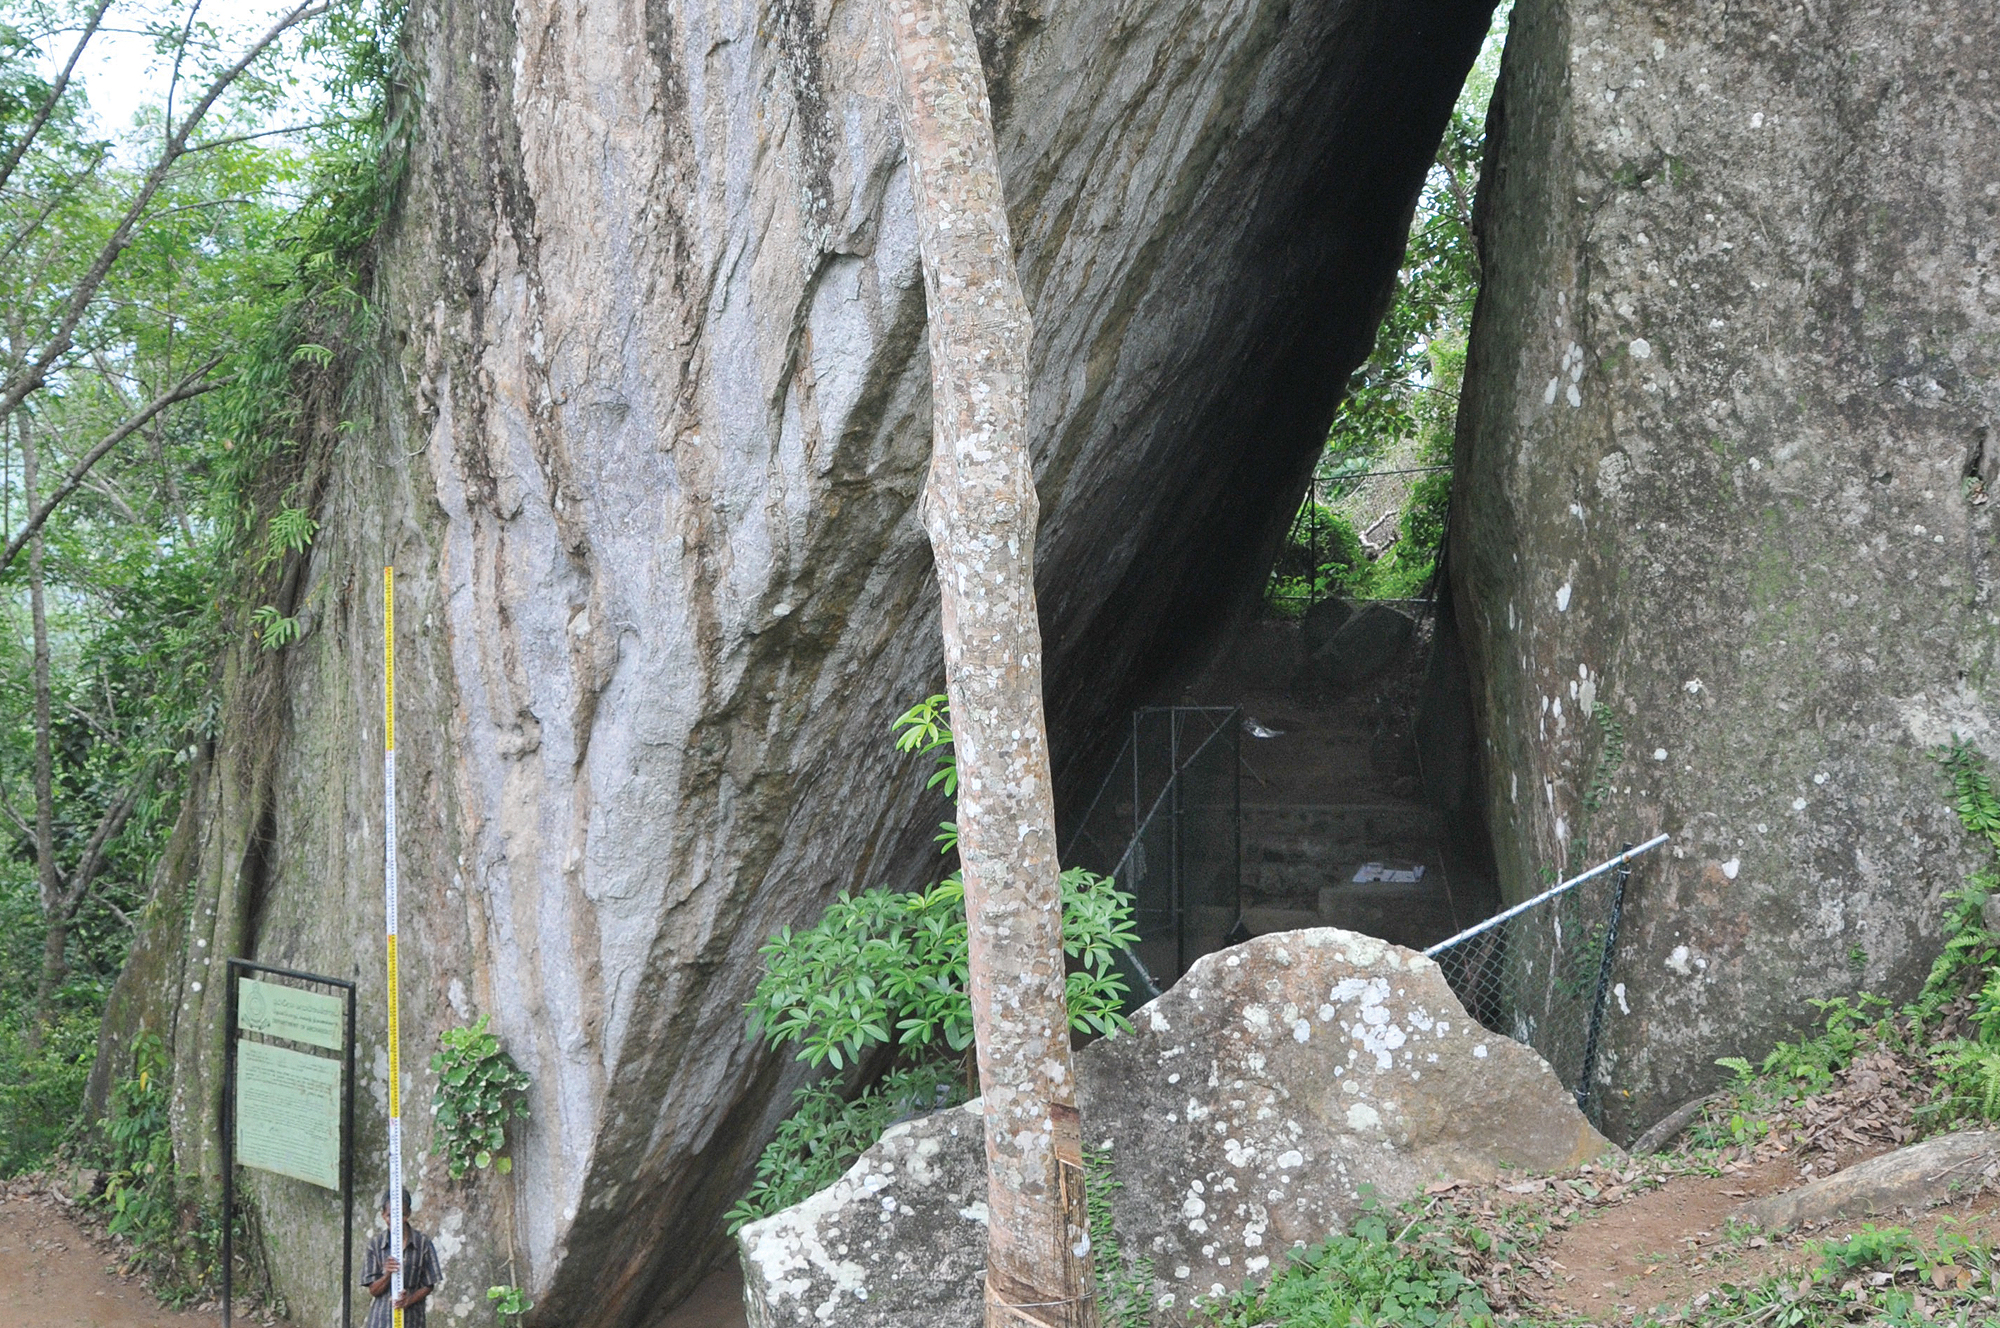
479 1090
1371 1277
926 727
889 968
825 1134
886 970
508 1302
1401 405
289 530
876 962
274 630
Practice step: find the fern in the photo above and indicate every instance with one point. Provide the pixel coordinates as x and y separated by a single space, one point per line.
1968 946
274 630
1608 761
1972 1072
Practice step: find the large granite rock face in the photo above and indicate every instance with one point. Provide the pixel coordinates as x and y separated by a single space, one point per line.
1248 1112
644 437
1725 448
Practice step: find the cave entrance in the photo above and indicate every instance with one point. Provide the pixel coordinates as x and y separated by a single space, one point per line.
1322 771
1363 804
1338 718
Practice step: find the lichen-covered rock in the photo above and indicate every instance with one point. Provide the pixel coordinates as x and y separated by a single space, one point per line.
1251 1110
898 1242
1726 453
1262 1096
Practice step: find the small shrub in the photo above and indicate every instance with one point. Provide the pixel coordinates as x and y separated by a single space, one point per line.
1322 558
888 968
1367 1277
886 971
479 1090
826 1133
509 1303
176 1241
41 1088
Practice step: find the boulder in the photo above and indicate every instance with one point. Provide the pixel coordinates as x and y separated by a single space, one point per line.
897 1242
1726 446
1918 1176
1252 1109
1361 648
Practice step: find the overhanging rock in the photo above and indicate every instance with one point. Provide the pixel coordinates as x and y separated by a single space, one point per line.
644 435
1251 1110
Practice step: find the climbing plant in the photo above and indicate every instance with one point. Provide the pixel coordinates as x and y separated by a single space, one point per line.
479 1091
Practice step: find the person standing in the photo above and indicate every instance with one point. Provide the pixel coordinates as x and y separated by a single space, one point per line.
419 1263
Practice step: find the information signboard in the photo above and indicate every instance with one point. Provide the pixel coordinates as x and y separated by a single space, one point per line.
310 1017
284 1110
288 1112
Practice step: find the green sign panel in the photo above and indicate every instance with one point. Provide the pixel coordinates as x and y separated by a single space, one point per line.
288 1112
287 1012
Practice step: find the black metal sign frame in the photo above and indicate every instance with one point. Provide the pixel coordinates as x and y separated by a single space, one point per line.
237 968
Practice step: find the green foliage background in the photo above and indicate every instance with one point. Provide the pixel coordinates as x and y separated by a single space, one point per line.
1407 390
252 259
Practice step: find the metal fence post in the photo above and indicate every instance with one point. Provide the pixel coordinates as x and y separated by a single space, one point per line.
1176 900
228 1136
347 1174
1596 1029
1235 722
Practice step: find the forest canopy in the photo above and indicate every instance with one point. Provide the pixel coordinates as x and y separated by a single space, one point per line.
166 281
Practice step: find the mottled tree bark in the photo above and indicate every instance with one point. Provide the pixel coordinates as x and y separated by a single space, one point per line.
981 511
56 940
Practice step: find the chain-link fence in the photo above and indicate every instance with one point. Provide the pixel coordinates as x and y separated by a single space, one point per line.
1167 823
1540 972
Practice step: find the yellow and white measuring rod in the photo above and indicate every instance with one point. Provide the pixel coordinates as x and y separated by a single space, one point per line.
389 892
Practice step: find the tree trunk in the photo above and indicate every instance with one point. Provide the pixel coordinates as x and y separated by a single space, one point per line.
54 915
981 511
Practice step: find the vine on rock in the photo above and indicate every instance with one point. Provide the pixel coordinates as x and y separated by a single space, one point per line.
479 1090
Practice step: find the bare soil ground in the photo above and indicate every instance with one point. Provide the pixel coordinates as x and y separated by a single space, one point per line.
54 1274
716 1303
1662 1249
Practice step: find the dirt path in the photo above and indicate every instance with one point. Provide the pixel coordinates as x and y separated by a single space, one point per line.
53 1275
1659 1250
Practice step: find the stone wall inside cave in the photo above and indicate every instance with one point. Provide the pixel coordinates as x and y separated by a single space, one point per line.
1724 452
644 437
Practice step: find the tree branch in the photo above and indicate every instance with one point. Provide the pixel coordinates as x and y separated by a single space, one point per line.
191 386
108 826
31 377
14 815
48 106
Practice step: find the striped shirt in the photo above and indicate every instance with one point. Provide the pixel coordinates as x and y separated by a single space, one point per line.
420 1269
